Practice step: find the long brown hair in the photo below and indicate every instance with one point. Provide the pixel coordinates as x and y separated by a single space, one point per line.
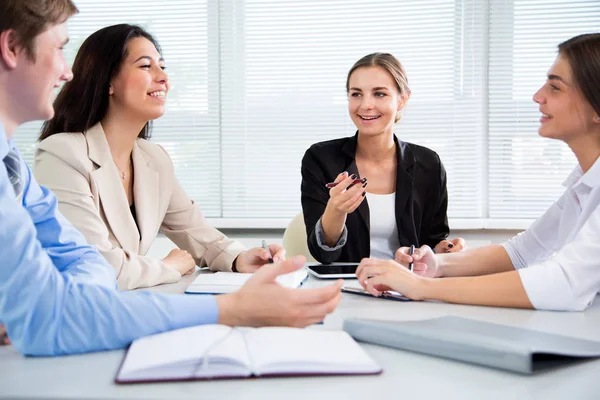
583 54
83 102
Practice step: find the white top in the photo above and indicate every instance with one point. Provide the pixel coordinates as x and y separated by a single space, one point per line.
383 230
561 250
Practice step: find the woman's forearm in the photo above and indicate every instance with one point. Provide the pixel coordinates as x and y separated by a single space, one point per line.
503 289
485 260
333 226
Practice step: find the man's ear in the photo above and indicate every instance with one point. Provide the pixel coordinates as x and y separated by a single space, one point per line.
9 48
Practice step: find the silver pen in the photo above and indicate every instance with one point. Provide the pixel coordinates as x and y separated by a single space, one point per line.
266 247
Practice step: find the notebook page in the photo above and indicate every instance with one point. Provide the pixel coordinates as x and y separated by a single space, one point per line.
183 347
293 279
292 350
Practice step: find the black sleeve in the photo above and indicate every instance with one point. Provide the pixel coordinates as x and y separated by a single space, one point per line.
439 229
314 198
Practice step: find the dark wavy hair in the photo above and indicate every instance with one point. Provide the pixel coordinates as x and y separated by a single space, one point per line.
83 101
583 54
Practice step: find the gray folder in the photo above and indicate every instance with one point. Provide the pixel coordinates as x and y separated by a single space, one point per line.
499 346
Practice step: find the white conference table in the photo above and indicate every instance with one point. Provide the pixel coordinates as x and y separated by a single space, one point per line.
406 375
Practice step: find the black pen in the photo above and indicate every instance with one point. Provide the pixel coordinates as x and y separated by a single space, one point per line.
410 253
264 246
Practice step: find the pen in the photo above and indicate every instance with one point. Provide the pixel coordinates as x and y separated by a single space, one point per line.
410 253
334 184
264 246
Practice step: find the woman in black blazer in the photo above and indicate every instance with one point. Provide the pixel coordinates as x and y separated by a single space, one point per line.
403 178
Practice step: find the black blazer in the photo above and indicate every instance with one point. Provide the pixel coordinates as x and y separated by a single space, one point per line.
421 197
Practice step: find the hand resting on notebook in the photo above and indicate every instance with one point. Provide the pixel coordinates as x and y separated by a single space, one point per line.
264 302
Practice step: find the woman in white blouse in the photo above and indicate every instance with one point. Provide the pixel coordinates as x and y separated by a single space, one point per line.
553 265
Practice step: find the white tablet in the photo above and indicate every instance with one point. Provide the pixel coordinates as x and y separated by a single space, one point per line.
333 270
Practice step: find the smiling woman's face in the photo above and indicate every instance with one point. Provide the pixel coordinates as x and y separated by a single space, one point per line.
566 114
140 87
373 100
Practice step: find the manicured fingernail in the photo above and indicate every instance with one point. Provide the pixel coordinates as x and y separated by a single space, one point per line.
365 184
364 194
364 179
353 176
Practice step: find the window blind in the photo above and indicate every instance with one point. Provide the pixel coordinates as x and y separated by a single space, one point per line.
283 89
187 31
256 82
526 171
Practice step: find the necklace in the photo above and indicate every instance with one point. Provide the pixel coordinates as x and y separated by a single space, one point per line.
120 170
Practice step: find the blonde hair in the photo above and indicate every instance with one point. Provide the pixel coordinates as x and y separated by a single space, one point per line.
389 63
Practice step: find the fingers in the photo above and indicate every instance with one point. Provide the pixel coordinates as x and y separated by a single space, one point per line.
401 256
372 283
319 312
443 246
341 177
277 251
369 271
343 191
269 272
420 268
353 202
422 252
319 295
456 245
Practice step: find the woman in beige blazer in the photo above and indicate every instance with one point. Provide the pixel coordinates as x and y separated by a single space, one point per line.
114 185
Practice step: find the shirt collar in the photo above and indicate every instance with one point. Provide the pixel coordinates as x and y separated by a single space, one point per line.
5 145
590 179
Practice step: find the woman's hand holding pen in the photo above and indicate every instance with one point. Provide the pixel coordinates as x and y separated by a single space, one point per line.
424 261
250 260
346 195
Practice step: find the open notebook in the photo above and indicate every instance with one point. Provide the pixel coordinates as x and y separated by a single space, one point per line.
219 351
499 346
229 282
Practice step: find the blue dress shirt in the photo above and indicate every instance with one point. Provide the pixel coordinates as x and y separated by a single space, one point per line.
58 295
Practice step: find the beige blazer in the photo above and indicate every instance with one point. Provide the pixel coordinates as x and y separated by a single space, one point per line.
80 170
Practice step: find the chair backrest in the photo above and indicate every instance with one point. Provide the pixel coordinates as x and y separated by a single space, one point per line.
294 238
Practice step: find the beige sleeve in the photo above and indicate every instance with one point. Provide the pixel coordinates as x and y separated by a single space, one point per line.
75 201
185 225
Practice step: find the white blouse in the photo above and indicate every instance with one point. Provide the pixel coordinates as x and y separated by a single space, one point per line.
383 229
558 257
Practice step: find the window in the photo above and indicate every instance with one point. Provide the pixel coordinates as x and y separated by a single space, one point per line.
256 82
525 170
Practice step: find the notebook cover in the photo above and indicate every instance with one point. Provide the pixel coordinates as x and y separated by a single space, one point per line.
493 345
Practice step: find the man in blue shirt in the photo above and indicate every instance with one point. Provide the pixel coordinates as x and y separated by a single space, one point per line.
57 294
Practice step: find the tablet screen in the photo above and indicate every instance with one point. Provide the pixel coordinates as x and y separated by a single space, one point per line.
334 269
